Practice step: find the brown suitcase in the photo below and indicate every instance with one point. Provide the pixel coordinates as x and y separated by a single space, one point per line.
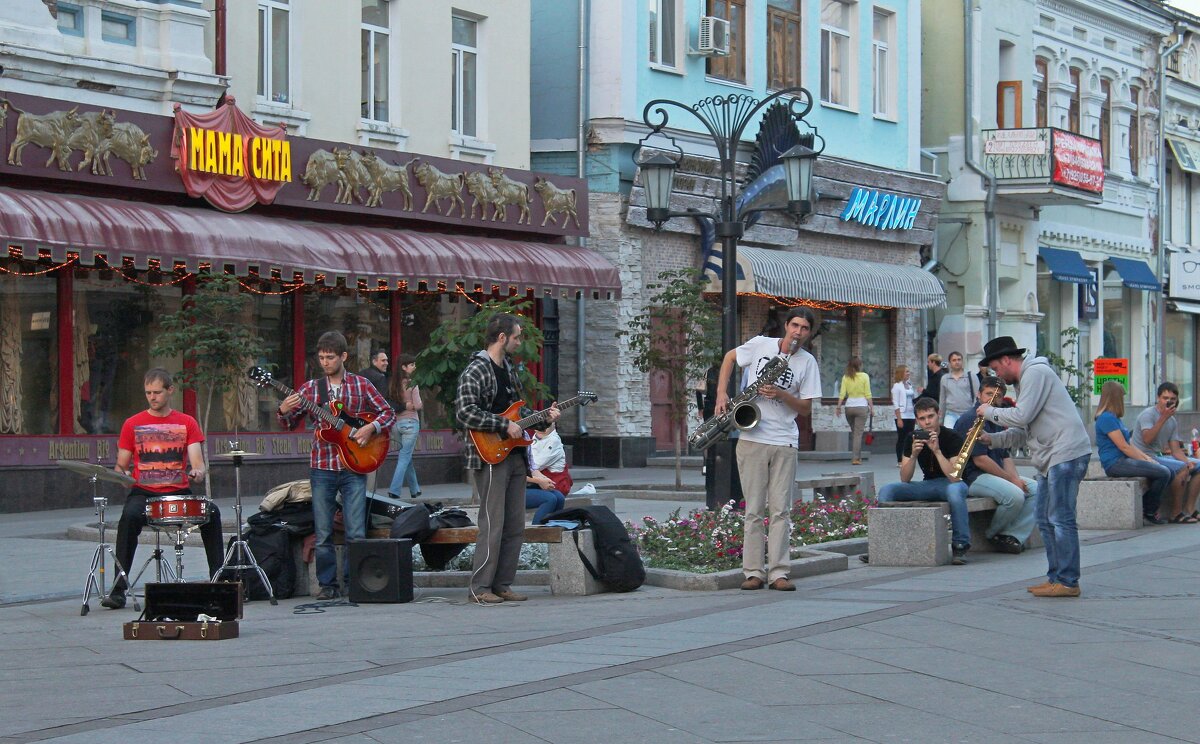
140 630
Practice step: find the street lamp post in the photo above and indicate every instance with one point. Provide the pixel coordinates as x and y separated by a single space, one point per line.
726 118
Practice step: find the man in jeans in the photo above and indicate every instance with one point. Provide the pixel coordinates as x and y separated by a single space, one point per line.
957 391
1046 421
990 472
934 447
1156 432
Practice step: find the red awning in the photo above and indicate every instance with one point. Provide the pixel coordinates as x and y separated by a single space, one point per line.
140 231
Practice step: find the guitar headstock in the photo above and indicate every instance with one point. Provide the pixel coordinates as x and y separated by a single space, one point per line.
586 397
260 376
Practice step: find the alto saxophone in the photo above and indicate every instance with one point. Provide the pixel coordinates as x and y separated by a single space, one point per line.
964 454
743 412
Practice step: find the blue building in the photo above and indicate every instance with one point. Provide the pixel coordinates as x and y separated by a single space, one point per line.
594 67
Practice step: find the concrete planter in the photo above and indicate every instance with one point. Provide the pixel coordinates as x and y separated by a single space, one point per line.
849 546
810 563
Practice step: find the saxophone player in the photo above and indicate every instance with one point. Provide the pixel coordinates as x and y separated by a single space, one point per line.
990 472
766 454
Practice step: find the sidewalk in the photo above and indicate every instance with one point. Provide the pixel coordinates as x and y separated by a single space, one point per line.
870 654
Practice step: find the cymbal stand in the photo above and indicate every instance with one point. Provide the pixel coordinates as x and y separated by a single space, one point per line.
160 563
239 547
95 577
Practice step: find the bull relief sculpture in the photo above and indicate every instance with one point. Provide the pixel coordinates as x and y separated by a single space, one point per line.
383 177
440 186
508 192
352 176
483 195
555 200
95 133
320 171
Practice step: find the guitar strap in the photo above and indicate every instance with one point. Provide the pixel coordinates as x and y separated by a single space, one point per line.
323 392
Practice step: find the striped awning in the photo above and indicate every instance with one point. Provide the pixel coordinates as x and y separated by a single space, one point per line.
827 279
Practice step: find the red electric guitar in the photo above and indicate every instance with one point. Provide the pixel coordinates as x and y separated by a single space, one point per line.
335 427
495 447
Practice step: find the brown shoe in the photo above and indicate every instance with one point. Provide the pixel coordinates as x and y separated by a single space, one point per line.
1038 587
753 583
783 585
486 598
856 462
1057 590
510 596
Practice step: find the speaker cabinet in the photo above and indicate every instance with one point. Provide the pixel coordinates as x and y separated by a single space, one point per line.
381 570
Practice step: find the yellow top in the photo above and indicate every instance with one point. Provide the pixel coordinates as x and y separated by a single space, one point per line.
857 387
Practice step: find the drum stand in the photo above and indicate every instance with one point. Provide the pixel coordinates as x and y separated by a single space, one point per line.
95 577
160 564
239 547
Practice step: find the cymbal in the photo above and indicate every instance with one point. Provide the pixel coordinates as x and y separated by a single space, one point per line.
101 472
238 453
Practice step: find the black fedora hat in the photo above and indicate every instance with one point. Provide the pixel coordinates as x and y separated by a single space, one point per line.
998 347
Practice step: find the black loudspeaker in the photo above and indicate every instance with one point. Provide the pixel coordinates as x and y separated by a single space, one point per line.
381 570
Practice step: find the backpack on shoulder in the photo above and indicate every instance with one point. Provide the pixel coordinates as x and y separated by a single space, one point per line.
619 566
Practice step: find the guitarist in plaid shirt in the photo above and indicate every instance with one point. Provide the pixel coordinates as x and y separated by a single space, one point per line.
486 388
326 472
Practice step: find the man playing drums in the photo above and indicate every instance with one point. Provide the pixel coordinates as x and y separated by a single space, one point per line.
156 447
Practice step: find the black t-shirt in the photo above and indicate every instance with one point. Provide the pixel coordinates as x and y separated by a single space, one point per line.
504 394
949 442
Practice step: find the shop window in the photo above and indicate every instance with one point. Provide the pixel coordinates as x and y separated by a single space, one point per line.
883 62
274 42
116 324
376 36
1008 104
1049 304
875 329
1180 340
28 355
1076 98
664 32
420 315
835 349
464 60
1117 304
363 318
783 43
733 66
251 408
1041 98
836 40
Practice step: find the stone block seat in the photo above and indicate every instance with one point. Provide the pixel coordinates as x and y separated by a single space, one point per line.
831 486
1109 503
917 533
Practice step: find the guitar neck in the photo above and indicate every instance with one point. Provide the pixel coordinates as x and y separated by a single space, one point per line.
540 416
320 412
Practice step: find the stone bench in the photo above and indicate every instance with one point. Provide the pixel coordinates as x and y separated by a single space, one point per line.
917 533
1110 504
830 486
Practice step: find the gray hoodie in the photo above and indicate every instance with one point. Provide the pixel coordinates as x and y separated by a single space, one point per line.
1045 418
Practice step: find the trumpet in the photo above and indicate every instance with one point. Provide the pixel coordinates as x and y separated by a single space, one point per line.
743 413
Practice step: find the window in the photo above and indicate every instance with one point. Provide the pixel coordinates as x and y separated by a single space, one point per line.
29 348
70 19
375 38
783 43
118 28
663 14
1041 99
835 350
875 331
273 50
1116 302
1008 104
1073 112
881 58
1180 341
464 61
1106 123
835 52
733 66
1135 129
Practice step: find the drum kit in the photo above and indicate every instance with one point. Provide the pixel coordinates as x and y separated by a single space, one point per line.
178 514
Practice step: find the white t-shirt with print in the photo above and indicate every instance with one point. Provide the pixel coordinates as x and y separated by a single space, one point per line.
801 379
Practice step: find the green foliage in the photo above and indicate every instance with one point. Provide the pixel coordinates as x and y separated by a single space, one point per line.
1078 380
452 343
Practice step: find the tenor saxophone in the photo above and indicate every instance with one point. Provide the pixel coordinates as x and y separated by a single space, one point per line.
964 454
743 412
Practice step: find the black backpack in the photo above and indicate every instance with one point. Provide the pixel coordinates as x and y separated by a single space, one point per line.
272 548
620 567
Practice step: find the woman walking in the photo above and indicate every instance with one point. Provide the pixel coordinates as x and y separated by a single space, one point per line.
902 405
855 394
1121 459
408 425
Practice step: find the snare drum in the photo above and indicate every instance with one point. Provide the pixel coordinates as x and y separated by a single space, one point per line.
170 510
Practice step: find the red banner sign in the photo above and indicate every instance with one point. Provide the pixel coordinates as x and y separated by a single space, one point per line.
229 159
1078 162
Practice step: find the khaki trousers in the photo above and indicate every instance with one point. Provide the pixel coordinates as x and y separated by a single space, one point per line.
768 474
857 417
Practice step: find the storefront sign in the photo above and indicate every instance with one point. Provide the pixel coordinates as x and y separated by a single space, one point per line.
1104 370
1187 154
880 209
1185 276
1078 162
229 159
1089 296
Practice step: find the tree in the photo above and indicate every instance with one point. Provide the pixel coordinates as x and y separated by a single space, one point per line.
210 334
452 343
1078 380
678 335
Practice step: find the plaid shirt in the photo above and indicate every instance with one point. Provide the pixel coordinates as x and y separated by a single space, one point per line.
357 395
473 402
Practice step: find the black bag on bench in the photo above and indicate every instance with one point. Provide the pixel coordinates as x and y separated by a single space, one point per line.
620 567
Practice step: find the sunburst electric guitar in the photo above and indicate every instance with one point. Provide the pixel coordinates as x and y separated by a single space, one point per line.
495 447
335 427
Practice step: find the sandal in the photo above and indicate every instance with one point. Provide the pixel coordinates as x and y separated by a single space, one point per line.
1182 518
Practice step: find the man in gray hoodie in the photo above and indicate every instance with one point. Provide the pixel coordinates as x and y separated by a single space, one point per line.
1046 421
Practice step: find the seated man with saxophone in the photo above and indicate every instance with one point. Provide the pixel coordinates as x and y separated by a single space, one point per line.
989 471
934 448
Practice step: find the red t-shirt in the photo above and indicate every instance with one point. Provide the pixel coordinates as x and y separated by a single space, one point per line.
159 446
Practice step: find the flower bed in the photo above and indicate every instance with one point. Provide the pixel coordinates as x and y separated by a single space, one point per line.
706 541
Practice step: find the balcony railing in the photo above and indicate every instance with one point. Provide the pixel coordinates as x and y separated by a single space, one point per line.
1044 166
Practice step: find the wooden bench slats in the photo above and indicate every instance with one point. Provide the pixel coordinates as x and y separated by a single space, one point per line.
468 535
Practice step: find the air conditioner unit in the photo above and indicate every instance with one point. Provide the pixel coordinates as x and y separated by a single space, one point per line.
713 39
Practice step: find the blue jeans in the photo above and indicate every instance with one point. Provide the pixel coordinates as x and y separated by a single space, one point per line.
1057 491
938 489
545 501
325 487
1160 477
407 430
1015 509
